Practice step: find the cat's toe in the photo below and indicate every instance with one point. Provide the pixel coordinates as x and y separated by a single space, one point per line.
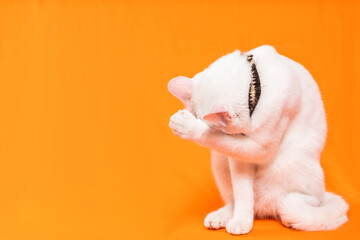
286 223
214 221
239 226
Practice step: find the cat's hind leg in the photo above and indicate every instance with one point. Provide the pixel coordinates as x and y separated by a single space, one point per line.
220 167
307 213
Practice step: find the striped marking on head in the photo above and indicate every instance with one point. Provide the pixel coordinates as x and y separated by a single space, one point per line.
255 85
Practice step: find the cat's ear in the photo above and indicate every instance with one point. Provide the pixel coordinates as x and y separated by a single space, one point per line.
181 87
219 115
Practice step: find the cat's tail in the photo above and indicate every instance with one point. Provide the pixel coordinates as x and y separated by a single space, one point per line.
307 213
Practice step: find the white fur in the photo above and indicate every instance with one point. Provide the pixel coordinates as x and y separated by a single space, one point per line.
272 169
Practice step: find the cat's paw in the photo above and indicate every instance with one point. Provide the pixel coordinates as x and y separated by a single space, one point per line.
219 218
185 125
237 226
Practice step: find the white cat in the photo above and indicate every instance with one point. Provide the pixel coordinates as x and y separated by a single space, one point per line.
262 116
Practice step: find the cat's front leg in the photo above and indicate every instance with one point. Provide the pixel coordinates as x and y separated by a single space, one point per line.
185 125
242 175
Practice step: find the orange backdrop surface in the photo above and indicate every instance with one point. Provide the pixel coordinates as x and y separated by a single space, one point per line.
85 148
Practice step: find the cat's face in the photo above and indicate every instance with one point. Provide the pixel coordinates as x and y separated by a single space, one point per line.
219 94
217 107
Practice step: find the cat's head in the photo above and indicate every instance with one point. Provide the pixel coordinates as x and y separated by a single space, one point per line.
219 94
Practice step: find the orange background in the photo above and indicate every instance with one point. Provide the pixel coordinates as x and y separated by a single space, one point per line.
85 148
